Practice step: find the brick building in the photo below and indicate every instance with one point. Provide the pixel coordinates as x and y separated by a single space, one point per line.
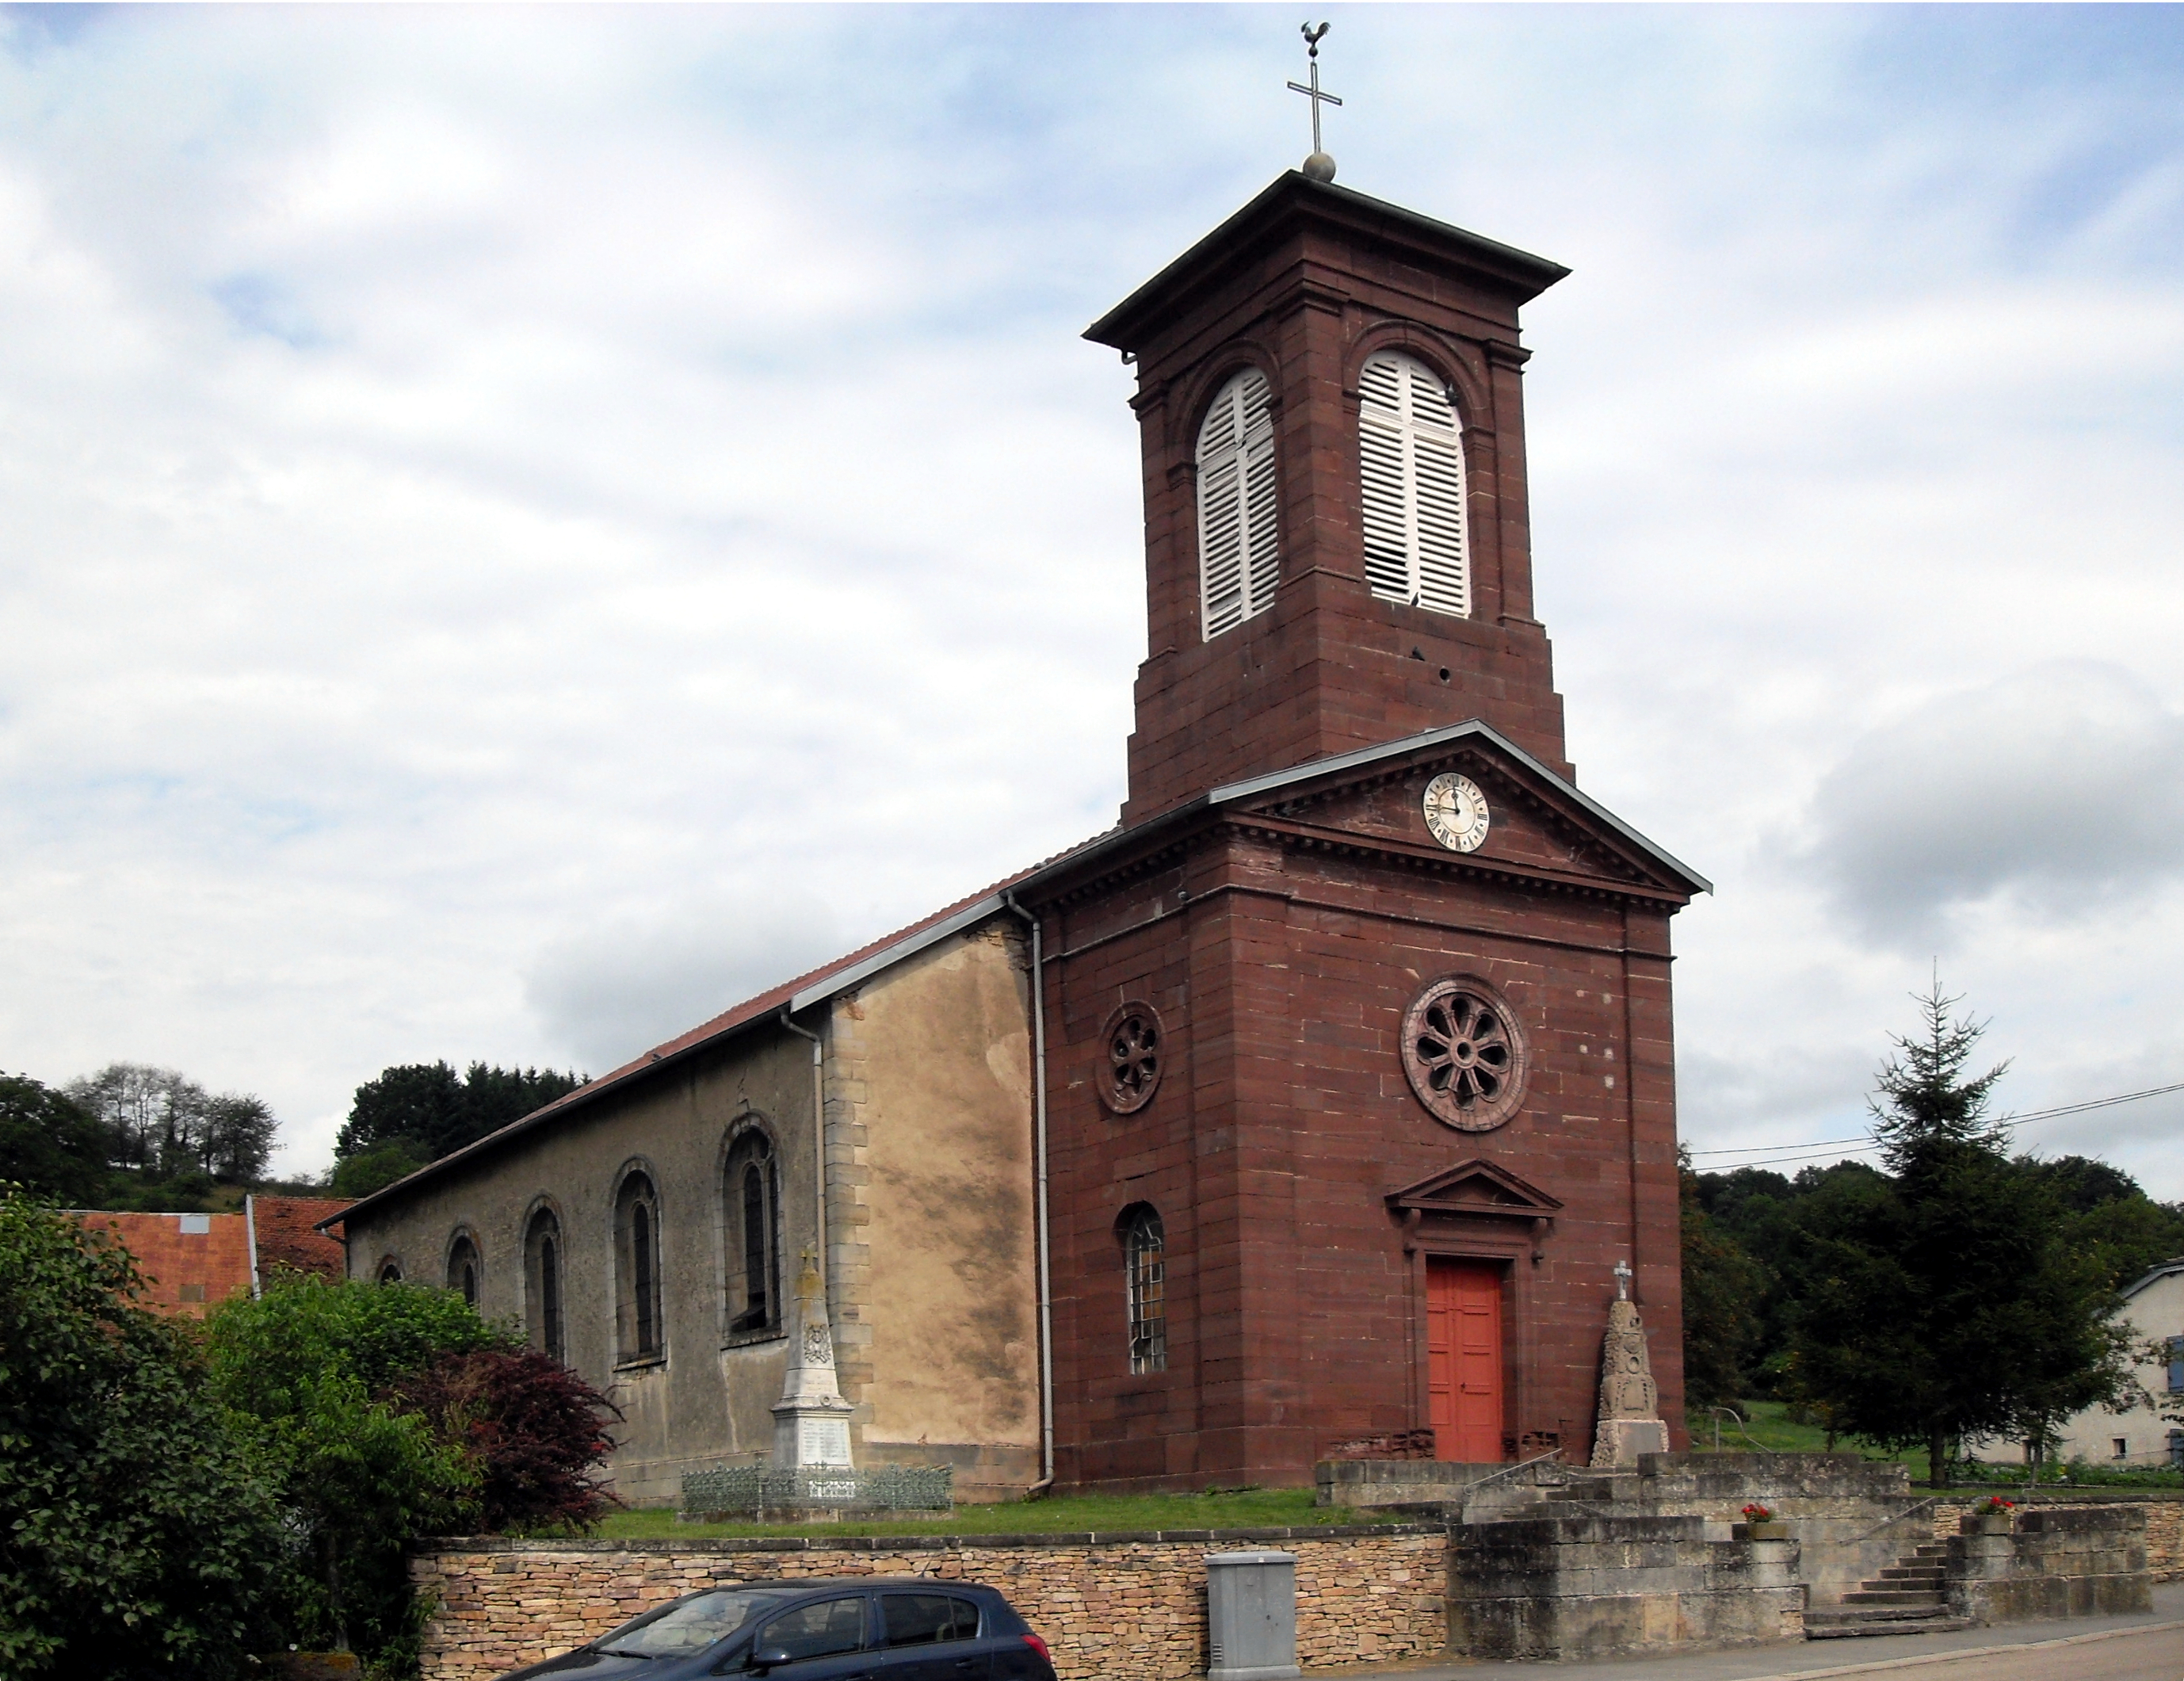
191 1262
1311 1106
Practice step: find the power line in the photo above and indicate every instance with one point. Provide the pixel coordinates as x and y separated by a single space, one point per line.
1771 1155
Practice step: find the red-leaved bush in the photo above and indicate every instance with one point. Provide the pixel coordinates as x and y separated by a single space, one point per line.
533 1428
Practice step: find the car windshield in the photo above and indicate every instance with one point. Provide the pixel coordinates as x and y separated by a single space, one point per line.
688 1625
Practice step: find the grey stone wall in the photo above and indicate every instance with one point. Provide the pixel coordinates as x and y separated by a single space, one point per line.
2081 1561
931 1288
1600 1587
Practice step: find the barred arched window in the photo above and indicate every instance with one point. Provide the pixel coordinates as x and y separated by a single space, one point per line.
636 1269
542 1284
1239 561
1146 1268
390 1270
750 1194
464 1268
1411 482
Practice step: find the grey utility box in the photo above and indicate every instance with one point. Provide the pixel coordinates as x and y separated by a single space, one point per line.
1251 1617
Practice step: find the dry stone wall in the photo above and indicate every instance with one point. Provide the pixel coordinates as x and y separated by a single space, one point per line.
1119 1608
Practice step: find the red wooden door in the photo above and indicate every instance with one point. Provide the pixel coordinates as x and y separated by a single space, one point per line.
1463 1344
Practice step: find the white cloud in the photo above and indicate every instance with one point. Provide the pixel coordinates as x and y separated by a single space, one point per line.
610 990
478 488
2062 785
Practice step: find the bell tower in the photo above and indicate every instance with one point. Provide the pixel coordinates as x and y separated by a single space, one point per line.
1340 556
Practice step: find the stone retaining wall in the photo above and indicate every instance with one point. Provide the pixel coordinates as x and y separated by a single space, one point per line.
2164 1522
2064 1562
1564 1588
1130 1607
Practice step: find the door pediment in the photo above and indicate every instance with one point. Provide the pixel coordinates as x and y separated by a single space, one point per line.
1476 1190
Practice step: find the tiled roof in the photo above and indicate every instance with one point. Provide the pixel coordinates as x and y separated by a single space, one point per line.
190 1261
285 1229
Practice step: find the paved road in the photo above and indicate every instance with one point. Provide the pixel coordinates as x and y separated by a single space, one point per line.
2145 1648
2154 1655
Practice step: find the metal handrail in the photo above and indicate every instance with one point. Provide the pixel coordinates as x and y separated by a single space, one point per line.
1737 1418
1463 1503
1889 1522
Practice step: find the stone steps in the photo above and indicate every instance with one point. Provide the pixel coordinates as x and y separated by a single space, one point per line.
1850 1625
1908 1597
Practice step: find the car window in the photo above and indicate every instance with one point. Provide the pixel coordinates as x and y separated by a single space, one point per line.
815 1630
688 1625
921 1619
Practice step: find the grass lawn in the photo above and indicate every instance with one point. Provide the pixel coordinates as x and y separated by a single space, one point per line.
1766 1426
1249 1509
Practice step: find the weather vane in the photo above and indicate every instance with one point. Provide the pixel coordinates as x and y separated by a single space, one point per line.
1319 166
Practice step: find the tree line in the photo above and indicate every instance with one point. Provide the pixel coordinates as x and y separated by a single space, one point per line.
1956 1296
133 1136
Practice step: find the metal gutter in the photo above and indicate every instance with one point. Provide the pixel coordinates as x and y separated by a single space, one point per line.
1043 1247
908 946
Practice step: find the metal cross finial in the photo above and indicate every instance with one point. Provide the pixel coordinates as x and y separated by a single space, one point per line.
1623 1277
1319 166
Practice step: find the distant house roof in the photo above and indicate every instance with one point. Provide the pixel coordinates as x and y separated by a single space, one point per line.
847 972
191 1262
284 1232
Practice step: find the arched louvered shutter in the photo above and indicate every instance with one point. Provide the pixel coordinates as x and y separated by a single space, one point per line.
1411 483
1239 563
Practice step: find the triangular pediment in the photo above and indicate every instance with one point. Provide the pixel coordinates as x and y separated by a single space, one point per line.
1475 1187
1537 822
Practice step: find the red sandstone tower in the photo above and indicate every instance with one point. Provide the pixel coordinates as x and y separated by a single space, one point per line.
1359 1065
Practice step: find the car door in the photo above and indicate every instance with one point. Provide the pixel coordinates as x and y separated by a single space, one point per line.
822 1640
929 1636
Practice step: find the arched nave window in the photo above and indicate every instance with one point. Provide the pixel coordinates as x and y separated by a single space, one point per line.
636 1269
464 1267
750 1195
542 1284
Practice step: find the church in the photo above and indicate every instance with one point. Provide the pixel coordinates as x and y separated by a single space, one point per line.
1321 1107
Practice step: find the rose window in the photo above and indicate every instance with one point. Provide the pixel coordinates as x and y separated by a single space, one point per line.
1465 1056
1132 1051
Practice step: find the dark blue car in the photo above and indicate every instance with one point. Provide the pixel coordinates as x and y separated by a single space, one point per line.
845 1629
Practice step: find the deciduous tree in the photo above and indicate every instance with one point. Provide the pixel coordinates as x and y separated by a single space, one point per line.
135 1537
49 1145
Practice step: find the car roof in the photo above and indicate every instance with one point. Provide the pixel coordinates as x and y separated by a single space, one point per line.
816 1584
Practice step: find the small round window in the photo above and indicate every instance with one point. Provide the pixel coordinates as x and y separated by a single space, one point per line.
1130 1052
1463 1053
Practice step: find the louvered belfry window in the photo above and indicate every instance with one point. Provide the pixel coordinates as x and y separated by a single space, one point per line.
1238 563
1411 472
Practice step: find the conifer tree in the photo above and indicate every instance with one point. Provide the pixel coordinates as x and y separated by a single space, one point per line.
1949 1305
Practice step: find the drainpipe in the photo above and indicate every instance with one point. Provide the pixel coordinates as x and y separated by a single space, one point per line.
818 1140
1044 1241
250 1231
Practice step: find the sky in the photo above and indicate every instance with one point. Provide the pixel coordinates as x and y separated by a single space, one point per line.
521 526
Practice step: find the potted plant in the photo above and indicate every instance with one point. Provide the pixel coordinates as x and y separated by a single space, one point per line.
1760 1524
1990 1516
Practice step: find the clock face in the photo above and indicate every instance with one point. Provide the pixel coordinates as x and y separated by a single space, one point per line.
1456 812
